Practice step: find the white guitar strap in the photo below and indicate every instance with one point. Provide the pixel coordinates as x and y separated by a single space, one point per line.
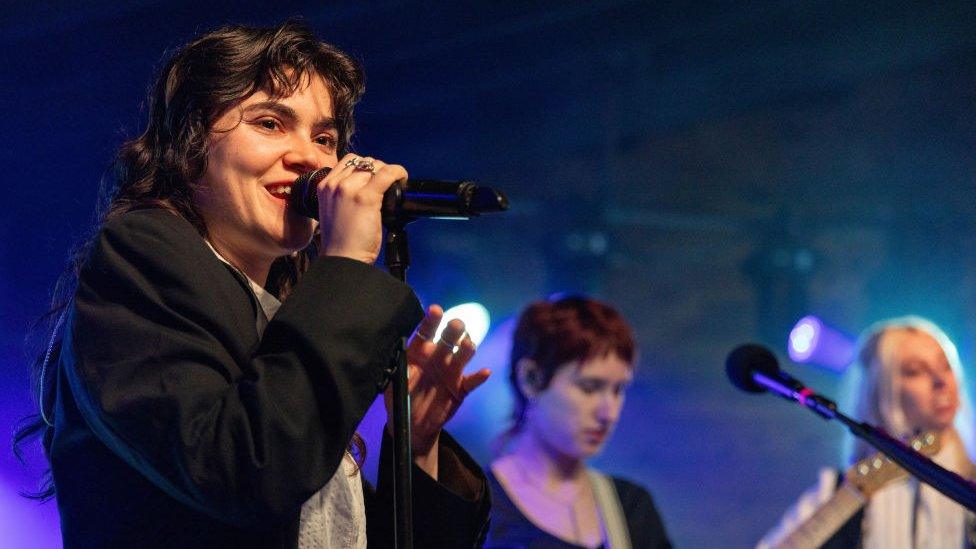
614 522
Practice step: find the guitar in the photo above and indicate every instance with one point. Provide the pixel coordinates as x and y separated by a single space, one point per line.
861 481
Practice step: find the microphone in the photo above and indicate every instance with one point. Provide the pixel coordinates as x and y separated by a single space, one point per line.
406 201
754 369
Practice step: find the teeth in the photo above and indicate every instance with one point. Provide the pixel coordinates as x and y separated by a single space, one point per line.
280 189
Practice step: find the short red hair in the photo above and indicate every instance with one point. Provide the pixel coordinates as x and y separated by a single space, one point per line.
554 333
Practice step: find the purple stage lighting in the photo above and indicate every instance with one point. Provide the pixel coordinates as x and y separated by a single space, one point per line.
813 342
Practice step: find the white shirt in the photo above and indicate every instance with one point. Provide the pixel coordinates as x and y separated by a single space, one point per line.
939 523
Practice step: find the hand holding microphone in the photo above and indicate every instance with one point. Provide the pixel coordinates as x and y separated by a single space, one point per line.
408 199
347 199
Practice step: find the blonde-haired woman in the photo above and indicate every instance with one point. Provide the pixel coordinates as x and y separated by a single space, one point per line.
907 380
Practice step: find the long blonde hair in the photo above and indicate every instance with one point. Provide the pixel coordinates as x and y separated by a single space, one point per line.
875 383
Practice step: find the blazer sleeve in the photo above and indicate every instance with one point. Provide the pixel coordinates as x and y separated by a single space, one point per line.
165 363
452 511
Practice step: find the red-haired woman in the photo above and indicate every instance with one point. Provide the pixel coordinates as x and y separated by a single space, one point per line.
571 363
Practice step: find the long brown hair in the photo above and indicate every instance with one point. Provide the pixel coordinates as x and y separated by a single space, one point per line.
160 167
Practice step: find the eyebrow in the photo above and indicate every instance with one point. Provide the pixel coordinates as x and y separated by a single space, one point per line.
601 380
284 111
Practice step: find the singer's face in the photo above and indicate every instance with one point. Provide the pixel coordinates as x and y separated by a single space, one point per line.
258 149
575 415
928 390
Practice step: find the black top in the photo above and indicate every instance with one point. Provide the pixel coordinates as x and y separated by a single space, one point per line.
177 426
510 529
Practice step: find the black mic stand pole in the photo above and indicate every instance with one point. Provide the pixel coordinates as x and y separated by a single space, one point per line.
953 486
950 484
397 259
436 199
463 202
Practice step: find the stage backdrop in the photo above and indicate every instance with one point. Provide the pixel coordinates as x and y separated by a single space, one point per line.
717 173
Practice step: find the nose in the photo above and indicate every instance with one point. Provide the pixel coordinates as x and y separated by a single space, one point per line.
608 409
302 156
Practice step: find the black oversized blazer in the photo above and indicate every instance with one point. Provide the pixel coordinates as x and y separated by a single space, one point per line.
176 426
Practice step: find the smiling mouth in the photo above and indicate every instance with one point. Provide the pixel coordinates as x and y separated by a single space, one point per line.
281 192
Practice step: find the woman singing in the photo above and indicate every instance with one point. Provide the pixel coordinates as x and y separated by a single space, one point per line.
571 363
212 352
909 384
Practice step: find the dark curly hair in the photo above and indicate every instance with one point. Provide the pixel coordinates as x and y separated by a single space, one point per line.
160 168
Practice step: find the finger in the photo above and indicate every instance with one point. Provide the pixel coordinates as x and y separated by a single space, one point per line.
448 341
366 166
385 176
345 166
466 350
354 177
413 378
426 329
339 173
473 381
351 165
367 179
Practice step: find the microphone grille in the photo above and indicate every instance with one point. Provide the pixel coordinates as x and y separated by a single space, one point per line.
746 359
313 177
303 196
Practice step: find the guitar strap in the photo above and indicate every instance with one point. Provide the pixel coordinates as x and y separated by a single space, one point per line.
614 522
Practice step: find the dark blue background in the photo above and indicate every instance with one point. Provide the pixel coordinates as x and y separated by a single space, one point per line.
717 170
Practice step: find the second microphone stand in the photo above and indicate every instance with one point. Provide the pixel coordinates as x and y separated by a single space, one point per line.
950 484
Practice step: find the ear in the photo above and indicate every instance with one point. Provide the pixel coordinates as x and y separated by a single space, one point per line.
529 377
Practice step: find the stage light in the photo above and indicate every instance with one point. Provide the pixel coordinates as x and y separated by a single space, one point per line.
813 342
476 320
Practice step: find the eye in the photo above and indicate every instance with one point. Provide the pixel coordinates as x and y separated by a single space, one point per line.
910 370
588 386
269 124
328 141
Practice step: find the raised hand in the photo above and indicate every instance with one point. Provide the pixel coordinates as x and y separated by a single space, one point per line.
437 383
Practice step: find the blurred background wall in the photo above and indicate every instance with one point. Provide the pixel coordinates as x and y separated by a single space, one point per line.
716 170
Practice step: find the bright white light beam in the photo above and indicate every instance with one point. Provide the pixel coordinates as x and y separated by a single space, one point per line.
475 317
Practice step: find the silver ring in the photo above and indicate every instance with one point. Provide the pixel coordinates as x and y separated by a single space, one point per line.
454 347
449 346
366 165
422 335
354 162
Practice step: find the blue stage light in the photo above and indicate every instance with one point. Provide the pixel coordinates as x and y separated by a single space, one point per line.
813 342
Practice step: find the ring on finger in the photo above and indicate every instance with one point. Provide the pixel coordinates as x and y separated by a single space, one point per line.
354 162
454 347
366 165
447 345
423 335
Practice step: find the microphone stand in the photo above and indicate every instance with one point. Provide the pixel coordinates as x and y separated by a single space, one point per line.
401 205
951 485
397 260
